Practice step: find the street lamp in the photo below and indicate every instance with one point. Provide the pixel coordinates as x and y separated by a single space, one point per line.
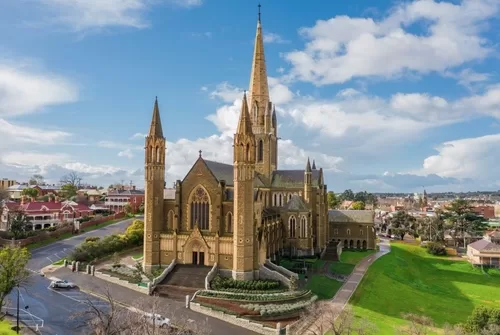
25 307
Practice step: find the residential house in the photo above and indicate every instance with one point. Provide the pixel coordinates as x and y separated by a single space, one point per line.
117 199
484 253
92 195
354 228
15 191
46 189
488 212
44 214
6 183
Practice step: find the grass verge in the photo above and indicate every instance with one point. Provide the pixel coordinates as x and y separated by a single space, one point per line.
6 328
408 280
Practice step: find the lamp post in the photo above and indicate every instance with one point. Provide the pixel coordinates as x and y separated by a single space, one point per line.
17 319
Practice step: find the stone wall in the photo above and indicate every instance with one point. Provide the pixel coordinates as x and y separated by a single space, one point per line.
118 281
258 328
266 273
210 276
163 275
280 269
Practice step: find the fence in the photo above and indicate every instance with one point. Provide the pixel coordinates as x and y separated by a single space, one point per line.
45 235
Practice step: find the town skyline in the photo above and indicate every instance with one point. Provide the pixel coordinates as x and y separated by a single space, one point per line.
422 122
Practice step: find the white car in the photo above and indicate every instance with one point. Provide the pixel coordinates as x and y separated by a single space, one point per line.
157 320
62 284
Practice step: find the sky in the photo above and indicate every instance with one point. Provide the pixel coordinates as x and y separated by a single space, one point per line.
396 97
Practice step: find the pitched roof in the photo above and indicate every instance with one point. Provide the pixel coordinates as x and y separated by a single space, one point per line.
221 171
358 216
292 178
485 245
296 204
125 192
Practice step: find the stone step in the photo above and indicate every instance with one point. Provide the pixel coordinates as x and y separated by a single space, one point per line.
175 292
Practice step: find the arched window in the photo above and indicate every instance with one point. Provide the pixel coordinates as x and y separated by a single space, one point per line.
275 202
152 158
291 223
289 196
280 198
248 152
348 232
157 154
260 152
200 209
303 227
170 219
361 232
229 222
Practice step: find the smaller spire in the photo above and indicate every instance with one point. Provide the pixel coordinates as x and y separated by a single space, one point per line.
244 124
259 11
155 129
314 165
274 121
200 153
308 166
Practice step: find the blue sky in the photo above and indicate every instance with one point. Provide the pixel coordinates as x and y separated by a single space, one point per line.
390 98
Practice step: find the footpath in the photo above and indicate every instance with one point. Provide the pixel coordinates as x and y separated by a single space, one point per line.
333 307
174 310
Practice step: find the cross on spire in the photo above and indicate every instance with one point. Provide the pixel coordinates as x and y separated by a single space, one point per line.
259 10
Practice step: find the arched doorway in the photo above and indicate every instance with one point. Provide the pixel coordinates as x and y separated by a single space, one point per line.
364 245
345 244
195 253
358 244
351 244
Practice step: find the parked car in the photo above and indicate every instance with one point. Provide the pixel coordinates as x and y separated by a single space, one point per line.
62 284
157 320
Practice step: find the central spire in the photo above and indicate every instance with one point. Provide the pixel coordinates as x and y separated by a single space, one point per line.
155 128
259 90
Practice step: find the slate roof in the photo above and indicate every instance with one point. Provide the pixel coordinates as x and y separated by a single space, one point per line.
296 204
292 178
485 245
125 192
358 216
270 211
225 172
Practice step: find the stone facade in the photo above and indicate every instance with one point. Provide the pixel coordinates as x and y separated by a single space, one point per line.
236 215
354 228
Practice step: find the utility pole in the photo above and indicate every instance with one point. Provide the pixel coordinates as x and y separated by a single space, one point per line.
17 319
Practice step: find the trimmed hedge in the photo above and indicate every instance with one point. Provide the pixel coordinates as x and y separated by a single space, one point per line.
219 283
255 297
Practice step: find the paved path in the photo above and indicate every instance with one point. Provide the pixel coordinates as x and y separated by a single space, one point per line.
172 309
333 307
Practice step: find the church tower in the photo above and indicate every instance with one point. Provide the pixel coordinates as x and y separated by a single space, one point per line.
308 182
244 172
262 112
154 186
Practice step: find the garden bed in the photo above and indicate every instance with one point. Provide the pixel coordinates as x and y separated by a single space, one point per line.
226 306
260 298
119 275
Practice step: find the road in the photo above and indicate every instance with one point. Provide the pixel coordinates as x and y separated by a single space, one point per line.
56 310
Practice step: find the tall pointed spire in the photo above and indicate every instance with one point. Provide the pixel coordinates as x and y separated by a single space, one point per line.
314 165
155 128
244 124
259 89
308 166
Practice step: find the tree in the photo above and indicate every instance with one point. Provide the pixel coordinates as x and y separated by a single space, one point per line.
127 208
403 223
482 318
432 228
361 196
13 271
36 179
358 205
73 178
333 201
418 324
347 195
30 192
463 220
19 224
371 199
141 208
68 190
324 317
4 195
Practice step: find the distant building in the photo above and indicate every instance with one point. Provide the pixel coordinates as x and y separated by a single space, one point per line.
44 214
46 189
354 228
484 252
118 198
6 183
15 191
488 212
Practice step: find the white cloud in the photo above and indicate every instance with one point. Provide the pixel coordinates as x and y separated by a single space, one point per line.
23 91
469 78
274 38
126 153
137 136
13 134
204 88
226 92
343 48
475 158
280 94
82 15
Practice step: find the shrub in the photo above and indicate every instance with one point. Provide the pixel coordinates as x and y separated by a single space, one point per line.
92 239
435 248
219 283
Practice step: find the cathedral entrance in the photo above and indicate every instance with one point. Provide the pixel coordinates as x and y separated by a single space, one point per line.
198 258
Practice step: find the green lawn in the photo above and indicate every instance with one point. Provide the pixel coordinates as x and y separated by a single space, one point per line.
348 260
323 287
68 235
408 280
6 328
138 255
